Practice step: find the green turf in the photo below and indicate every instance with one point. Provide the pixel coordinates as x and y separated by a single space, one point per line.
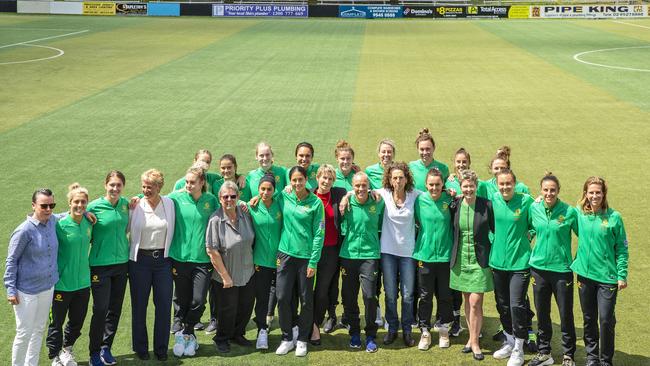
135 93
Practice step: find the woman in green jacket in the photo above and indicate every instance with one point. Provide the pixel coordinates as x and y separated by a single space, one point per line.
550 261
298 255
432 253
360 254
601 266
72 291
509 262
499 162
191 267
108 259
386 152
420 168
264 157
344 155
205 156
266 213
304 158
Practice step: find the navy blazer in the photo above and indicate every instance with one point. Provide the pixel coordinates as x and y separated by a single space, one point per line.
483 225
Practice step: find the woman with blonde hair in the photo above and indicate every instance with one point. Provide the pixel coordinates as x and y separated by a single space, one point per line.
191 266
473 224
601 265
328 266
264 157
72 291
151 225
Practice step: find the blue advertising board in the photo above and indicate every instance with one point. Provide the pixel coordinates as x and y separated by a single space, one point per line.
164 9
370 11
260 10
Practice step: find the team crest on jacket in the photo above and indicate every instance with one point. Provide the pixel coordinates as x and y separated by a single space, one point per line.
560 219
207 206
445 206
372 209
125 209
277 178
278 216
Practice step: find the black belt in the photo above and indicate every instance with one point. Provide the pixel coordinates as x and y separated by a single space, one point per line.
154 253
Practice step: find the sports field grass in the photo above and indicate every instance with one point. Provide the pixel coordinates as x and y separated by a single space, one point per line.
136 93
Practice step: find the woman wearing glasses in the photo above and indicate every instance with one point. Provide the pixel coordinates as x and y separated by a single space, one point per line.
30 275
229 242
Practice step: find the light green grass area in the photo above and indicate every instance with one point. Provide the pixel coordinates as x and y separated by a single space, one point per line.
136 93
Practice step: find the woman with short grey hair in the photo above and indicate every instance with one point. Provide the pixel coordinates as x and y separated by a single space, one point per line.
229 242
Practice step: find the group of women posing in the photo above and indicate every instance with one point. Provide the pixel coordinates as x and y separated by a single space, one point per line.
286 235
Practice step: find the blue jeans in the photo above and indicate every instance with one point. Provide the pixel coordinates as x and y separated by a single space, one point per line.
400 269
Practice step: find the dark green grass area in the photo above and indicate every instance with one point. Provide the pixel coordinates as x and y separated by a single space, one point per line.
137 93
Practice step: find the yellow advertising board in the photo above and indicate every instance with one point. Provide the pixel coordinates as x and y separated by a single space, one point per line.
98 8
519 12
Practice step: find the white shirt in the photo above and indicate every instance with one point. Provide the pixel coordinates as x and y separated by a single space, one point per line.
154 231
398 226
137 224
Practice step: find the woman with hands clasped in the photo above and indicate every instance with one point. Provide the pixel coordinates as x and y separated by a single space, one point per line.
229 242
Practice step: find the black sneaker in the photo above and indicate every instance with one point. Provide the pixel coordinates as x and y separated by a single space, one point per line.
199 326
408 340
176 327
499 336
390 337
212 327
531 342
242 341
456 328
330 325
222 346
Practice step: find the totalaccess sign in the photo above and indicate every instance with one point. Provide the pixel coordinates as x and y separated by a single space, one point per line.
589 11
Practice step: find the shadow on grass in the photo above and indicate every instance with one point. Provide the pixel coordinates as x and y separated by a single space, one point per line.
396 354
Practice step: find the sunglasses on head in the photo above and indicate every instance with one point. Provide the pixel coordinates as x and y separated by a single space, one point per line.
47 205
229 196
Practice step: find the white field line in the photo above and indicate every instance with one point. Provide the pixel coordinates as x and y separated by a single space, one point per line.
38 29
44 39
578 55
59 51
632 24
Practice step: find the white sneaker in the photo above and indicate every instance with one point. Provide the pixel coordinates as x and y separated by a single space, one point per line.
443 334
284 348
506 348
517 355
262 339
301 349
66 357
379 320
179 344
56 361
191 345
295 331
425 340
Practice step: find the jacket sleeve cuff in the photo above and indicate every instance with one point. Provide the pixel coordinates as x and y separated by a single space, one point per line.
11 292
